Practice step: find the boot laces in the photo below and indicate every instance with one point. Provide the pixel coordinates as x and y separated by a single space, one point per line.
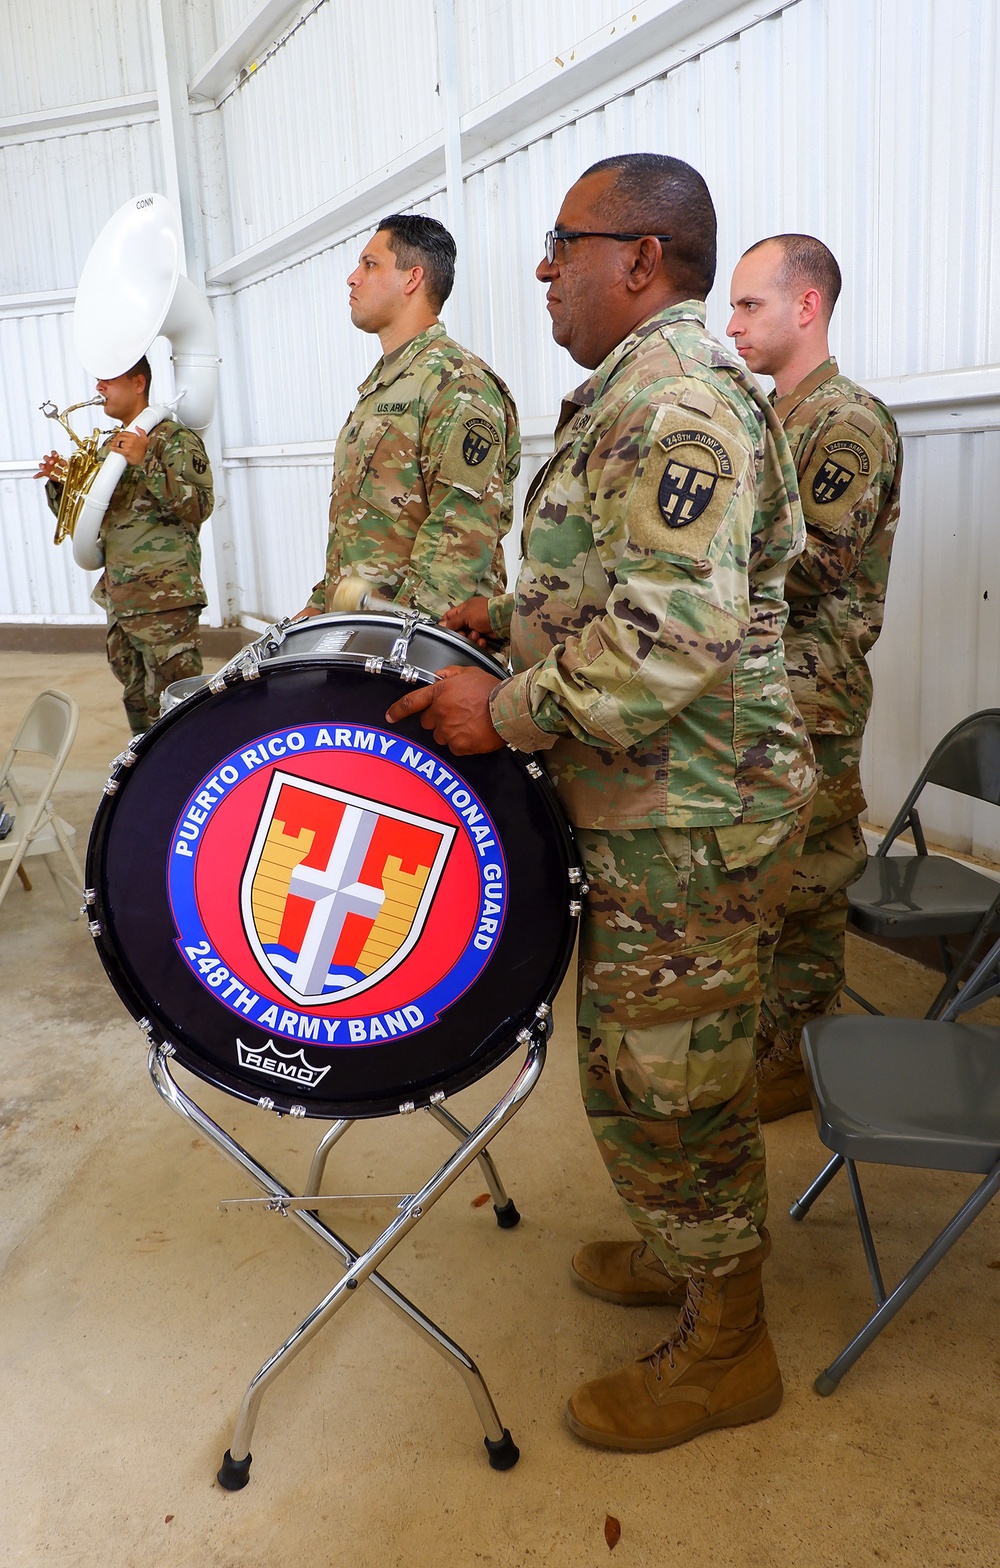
686 1325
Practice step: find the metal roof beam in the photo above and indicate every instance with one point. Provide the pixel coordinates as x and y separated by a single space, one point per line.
76 116
263 23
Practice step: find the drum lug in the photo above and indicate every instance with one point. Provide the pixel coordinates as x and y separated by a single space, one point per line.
111 787
217 683
575 908
93 926
89 896
373 665
296 1110
438 1097
534 769
401 647
406 1107
265 1103
542 1011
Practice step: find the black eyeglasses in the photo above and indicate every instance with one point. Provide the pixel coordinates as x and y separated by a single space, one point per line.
560 236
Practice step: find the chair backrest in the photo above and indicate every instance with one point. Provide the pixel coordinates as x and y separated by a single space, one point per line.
968 758
983 983
48 729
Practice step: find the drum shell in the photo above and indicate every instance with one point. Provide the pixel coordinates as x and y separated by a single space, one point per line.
137 936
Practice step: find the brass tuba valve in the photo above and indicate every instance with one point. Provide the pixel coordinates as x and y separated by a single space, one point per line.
80 466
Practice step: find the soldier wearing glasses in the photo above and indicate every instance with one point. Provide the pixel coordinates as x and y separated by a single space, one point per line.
647 657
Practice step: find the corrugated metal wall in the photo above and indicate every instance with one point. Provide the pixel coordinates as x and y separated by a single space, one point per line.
873 123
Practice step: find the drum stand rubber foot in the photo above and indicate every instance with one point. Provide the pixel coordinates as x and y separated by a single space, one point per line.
503 1453
508 1216
235 1473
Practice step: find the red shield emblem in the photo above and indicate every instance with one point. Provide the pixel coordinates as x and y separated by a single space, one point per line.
336 888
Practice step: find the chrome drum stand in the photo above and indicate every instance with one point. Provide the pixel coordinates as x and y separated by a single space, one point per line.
361 1269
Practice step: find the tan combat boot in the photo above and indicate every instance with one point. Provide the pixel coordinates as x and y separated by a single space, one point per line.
718 1368
626 1272
782 1083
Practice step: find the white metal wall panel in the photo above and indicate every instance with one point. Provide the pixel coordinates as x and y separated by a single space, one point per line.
502 41
56 196
37 581
59 52
229 15
939 655
341 100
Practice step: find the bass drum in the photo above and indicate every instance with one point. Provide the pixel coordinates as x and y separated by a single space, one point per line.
321 912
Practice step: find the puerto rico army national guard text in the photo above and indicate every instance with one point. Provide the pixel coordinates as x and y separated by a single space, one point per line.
425 466
646 648
848 457
151 588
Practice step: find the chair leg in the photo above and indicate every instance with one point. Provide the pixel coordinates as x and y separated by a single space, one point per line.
867 1240
862 1002
800 1208
956 1227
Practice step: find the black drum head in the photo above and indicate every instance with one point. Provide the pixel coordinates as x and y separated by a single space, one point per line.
322 910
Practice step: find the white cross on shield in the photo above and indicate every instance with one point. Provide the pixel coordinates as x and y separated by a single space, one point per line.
351 876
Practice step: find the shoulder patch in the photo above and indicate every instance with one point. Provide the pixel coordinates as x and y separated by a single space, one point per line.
684 491
838 474
473 451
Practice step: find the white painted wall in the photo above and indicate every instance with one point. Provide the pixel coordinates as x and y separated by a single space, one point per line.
285 130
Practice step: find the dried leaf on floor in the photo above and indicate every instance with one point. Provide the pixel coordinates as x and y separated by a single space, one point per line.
477 1203
612 1531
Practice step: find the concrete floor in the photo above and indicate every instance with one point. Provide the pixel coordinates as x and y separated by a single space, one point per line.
134 1313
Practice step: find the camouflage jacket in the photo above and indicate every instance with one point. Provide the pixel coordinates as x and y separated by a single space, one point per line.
849 458
152 558
647 623
423 479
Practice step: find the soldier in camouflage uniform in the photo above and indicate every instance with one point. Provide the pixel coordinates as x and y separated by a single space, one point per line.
151 588
848 457
425 466
646 644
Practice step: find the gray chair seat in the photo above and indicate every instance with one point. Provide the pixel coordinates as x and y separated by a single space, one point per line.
920 1093
905 1091
925 895
919 895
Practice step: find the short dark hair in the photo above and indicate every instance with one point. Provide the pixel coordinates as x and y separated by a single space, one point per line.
654 194
419 241
806 263
142 368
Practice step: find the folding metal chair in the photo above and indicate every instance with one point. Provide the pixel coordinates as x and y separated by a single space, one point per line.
924 895
48 729
900 1091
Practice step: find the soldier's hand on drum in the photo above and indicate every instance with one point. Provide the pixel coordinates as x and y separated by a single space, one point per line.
51 466
472 618
456 707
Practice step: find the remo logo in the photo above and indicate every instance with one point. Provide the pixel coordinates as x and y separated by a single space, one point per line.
336 886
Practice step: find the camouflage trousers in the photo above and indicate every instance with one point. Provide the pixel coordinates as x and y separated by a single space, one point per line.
677 933
148 652
807 975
